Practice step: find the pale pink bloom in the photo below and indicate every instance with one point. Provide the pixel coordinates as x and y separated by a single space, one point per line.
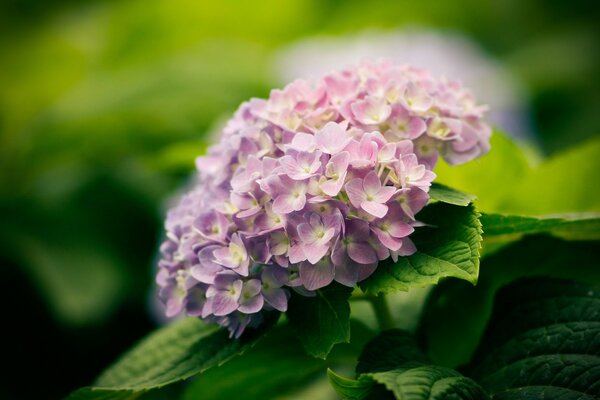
371 110
369 195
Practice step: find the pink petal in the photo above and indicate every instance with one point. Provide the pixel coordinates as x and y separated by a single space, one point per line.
332 138
303 141
315 252
284 204
332 187
371 183
416 127
385 193
376 209
400 229
355 192
296 254
387 240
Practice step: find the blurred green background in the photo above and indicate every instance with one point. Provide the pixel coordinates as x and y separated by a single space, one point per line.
105 104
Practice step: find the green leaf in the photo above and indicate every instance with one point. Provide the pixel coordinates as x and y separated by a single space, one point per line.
500 229
577 226
429 382
173 353
543 335
393 361
455 314
351 389
447 248
504 180
448 195
323 320
413 382
561 184
388 350
275 366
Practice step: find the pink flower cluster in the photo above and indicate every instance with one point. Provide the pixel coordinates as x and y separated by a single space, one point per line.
316 184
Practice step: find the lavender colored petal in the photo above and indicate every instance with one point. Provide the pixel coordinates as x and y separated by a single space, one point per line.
316 276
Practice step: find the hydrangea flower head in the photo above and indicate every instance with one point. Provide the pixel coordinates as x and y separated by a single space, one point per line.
317 183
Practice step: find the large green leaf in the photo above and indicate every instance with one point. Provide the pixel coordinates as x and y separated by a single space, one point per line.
323 320
392 361
449 195
455 314
449 247
388 350
173 353
577 226
428 382
501 229
543 339
505 181
275 367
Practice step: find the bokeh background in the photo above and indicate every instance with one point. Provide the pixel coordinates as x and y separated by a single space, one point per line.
105 103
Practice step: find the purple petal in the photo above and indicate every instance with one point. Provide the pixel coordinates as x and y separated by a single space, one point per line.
296 254
205 273
316 276
362 253
306 233
315 252
252 305
400 229
347 274
284 204
387 240
277 298
223 303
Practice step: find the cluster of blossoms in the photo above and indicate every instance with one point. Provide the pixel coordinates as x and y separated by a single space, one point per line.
316 184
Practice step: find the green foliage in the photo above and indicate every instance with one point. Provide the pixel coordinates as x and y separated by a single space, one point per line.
455 313
390 349
276 365
449 247
500 229
542 342
504 180
323 320
578 226
171 354
446 194
393 360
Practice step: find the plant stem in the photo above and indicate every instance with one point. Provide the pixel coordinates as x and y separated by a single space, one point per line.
382 312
